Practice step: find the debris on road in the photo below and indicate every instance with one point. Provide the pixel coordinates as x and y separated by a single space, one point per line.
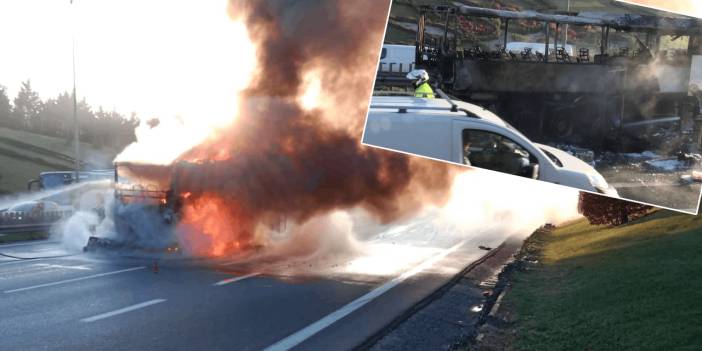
696 176
669 164
586 155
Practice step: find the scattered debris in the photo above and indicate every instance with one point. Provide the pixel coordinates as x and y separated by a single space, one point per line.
624 158
696 176
586 155
640 155
690 159
548 227
668 164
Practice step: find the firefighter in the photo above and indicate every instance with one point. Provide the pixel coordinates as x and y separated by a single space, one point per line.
420 79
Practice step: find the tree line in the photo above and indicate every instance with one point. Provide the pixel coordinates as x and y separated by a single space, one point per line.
54 117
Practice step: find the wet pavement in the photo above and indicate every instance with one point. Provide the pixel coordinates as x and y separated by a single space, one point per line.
89 301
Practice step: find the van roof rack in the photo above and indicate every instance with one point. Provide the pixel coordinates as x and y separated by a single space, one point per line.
454 107
404 109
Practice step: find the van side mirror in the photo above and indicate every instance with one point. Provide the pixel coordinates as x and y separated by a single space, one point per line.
32 182
532 170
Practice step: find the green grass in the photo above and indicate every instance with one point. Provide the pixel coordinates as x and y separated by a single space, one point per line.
10 238
23 155
635 287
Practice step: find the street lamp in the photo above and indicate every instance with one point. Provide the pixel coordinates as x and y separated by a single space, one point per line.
565 36
76 134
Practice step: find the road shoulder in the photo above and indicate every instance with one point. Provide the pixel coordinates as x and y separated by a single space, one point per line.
448 318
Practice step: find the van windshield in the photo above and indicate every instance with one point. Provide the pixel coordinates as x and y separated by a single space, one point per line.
485 149
54 180
553 158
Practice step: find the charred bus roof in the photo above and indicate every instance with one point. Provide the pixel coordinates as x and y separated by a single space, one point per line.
665 24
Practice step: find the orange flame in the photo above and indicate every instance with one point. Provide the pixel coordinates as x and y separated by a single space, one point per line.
216 227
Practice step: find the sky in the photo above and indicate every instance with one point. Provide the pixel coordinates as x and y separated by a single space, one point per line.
159 58
684 7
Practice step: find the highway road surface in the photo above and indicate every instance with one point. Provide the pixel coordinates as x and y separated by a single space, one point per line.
100 301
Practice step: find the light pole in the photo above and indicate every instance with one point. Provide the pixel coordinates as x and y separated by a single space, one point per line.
76 134
565 35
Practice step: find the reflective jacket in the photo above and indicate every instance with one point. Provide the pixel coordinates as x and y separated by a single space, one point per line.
424 91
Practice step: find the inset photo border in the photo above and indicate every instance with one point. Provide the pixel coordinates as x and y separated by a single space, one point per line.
603 102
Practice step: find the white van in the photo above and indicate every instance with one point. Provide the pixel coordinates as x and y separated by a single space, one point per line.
396 58
519 46
467 134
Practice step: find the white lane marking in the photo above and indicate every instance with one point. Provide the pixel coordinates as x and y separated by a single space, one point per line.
59 266
230 263
32 260
303 334
74 279
14 260
234 279
122 310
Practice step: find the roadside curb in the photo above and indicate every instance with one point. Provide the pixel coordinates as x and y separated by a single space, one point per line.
438 293
490 318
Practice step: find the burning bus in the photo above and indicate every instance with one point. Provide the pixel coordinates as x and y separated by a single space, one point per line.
146 207
150 211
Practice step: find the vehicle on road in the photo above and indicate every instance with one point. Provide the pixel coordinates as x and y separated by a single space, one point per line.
468 134
57 179
397 58
518 47
34 206
32 209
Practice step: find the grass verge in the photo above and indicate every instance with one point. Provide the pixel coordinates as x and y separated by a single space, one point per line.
23 155
634 287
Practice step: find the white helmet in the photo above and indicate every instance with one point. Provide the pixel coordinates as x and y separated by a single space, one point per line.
419 75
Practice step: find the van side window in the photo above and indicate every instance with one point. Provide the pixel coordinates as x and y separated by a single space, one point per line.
383 53
496 152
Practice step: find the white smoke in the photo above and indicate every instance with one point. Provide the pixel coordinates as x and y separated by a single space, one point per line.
321 237
497 201
77 229
92 217
485 208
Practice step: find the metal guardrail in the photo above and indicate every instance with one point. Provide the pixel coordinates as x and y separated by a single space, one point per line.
25 228
23 222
